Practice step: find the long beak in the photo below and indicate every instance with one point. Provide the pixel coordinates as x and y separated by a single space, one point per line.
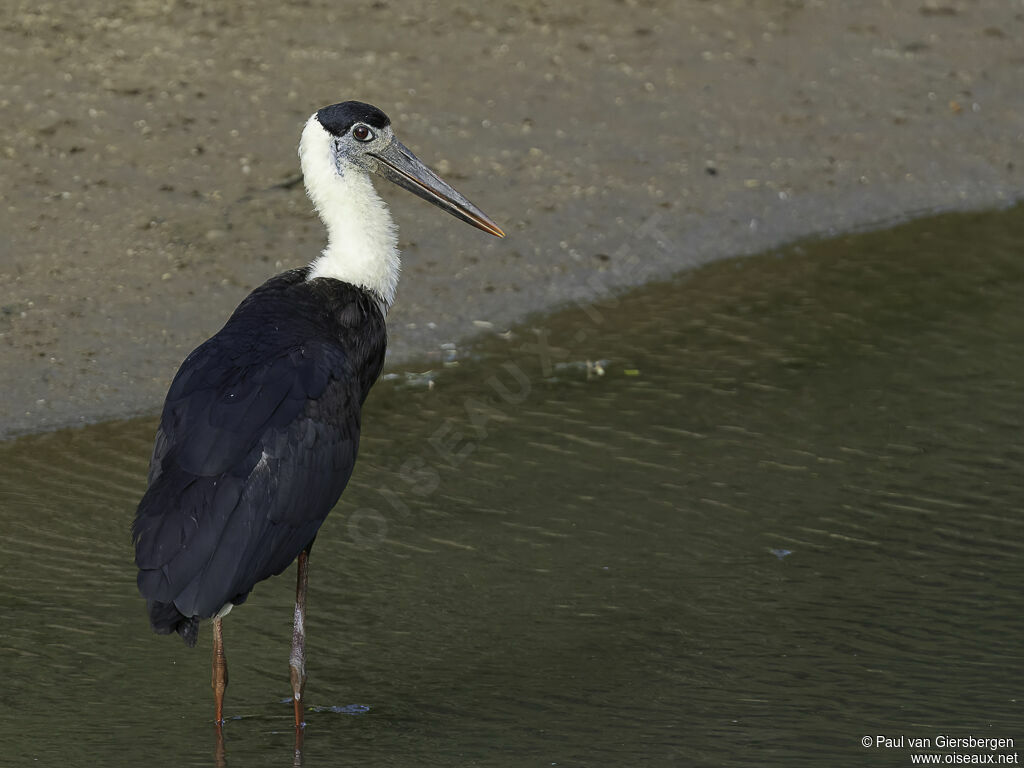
396 163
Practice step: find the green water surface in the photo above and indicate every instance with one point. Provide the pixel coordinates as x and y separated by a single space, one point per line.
787 516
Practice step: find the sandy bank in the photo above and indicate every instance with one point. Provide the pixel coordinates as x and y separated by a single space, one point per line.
145 144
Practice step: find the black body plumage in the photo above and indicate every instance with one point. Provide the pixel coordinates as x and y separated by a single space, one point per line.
257 440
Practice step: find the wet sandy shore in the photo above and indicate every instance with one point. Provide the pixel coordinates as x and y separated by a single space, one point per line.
148 149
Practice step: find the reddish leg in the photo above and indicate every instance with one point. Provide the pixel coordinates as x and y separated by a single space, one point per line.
220 672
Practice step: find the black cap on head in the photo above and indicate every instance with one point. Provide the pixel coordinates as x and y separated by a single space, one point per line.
338 118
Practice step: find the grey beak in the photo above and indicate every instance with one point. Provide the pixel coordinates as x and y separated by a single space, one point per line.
397 164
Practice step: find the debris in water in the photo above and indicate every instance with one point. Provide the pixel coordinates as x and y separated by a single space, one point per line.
592 368
449 353
412 379
348 709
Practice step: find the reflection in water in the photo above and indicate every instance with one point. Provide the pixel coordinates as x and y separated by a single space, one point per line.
786 516
220 755
220 752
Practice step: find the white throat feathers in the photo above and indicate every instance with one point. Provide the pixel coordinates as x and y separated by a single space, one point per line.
362 241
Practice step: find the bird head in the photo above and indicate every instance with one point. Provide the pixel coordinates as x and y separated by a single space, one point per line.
356 136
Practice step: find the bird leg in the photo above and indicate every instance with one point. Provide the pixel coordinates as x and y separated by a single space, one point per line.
220 671
298 657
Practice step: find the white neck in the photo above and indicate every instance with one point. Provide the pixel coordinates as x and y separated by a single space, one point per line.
362 242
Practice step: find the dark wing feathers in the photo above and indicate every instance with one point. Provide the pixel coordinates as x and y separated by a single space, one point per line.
257 441
217 412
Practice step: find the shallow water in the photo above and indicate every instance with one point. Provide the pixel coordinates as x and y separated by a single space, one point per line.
787 516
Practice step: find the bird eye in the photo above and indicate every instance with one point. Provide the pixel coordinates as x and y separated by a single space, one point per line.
362 133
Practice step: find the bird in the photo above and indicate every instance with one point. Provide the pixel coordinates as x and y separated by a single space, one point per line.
260 428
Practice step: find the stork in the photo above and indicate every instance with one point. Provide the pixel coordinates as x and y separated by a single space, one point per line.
260 429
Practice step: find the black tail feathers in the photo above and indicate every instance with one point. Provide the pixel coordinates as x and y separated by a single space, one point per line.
166 618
